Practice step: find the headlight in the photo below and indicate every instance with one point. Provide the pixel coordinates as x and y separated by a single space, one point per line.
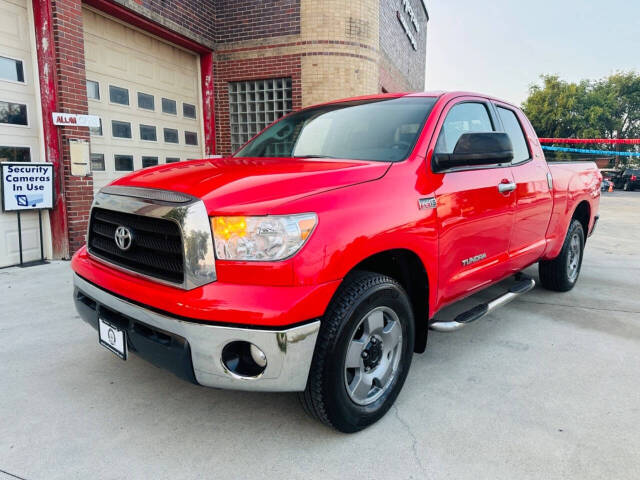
268 238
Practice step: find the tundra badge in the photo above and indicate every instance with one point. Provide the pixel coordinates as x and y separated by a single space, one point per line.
477 258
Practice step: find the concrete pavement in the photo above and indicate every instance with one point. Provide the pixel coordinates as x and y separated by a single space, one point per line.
548 387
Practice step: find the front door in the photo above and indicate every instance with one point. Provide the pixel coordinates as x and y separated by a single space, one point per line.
474 217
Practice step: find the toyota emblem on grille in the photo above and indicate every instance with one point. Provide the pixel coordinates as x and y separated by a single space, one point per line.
123 238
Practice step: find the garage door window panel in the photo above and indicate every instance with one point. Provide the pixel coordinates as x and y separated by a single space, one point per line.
93 90
120 129
146 101
14 154
169 106
13 114
148 133
11 70
171 135
96 131
123 163
97 162
188 110
172 160
149 162
190 138
118 95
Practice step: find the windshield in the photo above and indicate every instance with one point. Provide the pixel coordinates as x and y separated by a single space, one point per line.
382 130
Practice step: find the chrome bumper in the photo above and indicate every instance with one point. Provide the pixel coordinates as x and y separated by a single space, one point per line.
288 352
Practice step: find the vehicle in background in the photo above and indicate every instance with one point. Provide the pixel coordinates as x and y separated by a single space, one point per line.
606 183
316 258
627 180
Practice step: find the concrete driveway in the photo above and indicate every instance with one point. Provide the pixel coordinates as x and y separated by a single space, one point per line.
547 387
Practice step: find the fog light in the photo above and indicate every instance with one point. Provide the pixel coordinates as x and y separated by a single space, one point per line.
258 356
243 359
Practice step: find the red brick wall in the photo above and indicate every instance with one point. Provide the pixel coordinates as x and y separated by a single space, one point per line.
72 98
225 71
238 20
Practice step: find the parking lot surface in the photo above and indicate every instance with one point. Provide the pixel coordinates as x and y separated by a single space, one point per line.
547 387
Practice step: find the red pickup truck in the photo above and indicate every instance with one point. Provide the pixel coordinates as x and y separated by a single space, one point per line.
315 259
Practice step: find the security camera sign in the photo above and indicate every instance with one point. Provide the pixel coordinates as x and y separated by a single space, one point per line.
26 186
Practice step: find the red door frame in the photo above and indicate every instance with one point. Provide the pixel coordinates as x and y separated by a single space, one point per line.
49 93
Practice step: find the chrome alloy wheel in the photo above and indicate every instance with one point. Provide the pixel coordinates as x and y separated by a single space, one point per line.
573 258
373 356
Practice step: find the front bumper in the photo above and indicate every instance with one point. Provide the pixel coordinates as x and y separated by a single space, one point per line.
193 350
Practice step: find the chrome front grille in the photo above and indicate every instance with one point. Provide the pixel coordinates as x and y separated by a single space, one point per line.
170 242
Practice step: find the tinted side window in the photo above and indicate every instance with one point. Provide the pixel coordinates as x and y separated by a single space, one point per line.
514 130
462 118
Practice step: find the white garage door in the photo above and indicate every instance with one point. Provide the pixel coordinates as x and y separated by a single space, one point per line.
147 95
20 122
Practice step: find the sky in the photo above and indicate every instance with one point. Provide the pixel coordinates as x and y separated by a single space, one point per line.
501 47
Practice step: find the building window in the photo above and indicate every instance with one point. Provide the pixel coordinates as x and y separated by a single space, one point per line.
148 132
15 154
169 106
190 138
118 95
146 101
96 130
188 110
11 70
13 113
97 162
255 104
120 129
93 90
170 135
149 161
172 160
124 163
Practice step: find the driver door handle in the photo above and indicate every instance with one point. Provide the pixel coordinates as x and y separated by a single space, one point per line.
506 187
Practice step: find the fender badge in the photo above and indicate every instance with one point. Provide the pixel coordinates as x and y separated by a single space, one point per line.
477 258
424 203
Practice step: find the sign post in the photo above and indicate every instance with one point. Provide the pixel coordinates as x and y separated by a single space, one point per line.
27 186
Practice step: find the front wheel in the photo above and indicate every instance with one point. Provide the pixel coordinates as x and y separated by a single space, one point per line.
627 187
362 354
561 273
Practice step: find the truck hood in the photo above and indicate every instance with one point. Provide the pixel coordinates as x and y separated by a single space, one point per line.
246 185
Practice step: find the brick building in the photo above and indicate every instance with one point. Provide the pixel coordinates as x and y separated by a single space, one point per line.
171 80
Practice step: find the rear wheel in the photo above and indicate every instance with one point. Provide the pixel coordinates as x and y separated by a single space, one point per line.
363 353
561 273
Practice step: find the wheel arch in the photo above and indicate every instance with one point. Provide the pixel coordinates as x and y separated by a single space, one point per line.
582 213
406 267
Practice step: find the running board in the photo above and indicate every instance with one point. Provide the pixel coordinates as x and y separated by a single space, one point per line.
523 285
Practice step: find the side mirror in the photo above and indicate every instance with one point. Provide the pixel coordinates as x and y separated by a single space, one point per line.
478 148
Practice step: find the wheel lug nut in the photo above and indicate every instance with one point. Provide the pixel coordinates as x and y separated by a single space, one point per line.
365 354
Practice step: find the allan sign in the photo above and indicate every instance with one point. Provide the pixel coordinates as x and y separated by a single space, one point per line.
26 186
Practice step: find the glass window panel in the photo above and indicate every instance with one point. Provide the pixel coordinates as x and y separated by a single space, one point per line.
11 69
188 110
13 113
123 163
514 130
169 106
97 162
118 95
14 154
172 159
462 118
190 138
252 105
170 135
120 129
93 90
149 161
96 130
148 132
146 101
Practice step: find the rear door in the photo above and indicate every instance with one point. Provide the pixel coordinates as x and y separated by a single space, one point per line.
474 218
533 195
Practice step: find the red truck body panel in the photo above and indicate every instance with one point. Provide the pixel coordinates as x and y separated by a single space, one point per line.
365 208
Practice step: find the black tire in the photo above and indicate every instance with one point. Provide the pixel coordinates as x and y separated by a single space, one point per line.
627 187
556 274
326 397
